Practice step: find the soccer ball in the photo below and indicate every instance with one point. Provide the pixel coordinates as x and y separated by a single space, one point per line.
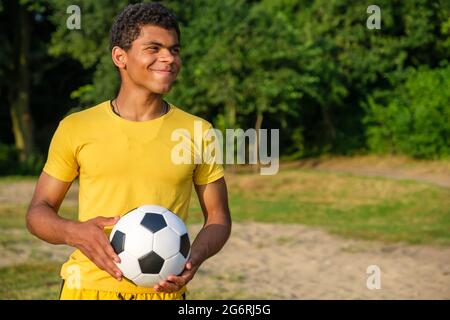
152 243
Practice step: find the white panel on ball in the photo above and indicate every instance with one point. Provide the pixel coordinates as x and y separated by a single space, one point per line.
147 280
129 265
151 208
138 240
175 222
173 266
133 217
166 243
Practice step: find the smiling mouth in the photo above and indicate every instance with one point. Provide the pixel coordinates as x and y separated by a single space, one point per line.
162 71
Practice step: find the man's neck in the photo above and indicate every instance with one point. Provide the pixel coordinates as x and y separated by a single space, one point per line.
138 105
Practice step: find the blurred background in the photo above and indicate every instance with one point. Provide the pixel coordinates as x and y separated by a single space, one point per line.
364 119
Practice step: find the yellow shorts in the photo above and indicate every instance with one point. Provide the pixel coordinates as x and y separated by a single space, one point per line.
87 294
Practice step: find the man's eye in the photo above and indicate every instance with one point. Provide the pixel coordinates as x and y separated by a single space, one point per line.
176 51
154 49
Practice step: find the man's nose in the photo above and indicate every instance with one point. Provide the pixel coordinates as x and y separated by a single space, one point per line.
167 56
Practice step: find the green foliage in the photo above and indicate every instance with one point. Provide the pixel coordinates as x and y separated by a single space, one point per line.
309 68
89 45
9 162
414 118
305 66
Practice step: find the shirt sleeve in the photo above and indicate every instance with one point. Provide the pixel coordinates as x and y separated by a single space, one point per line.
61 160
210 169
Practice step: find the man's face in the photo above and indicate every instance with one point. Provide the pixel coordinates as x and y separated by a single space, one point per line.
153 61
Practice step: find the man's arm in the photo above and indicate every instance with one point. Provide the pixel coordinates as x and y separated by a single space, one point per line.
216 230
42 218
44 222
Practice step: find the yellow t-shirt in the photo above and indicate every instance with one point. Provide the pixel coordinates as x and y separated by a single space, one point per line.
121 165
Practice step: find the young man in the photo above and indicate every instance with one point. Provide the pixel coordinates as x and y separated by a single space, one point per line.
121 151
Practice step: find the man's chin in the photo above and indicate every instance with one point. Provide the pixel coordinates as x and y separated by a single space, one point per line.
160 89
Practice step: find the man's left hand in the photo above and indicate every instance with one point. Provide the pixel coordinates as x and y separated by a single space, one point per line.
175 283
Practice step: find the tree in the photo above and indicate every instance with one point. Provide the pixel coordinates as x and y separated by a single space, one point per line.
306 67
16 72
414 118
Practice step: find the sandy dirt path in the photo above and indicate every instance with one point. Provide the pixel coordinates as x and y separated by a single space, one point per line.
298 262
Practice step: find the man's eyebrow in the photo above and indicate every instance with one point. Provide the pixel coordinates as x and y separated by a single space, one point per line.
156 43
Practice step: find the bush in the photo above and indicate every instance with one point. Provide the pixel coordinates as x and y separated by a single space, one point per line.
10 165
414 118
7 159
32 166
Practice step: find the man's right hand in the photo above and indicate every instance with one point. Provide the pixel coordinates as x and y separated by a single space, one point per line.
90 238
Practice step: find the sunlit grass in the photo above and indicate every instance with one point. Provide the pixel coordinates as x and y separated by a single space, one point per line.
33 280
348 205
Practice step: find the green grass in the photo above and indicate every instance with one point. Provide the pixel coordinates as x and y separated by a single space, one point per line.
38 276
371 208
13 216
410 220
8 179
34 280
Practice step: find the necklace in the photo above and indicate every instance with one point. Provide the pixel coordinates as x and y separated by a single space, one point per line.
165 107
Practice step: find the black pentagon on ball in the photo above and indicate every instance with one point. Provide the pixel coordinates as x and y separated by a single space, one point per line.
185 245
153 222
118 242
151 263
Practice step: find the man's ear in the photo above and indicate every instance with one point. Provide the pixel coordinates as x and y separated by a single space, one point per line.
119 57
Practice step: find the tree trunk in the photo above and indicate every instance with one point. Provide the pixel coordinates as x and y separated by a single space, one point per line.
22 121
230 123
231 115
258 125
329 127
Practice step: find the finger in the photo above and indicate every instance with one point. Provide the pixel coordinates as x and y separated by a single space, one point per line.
112 266
92 255
110 252
104 222
102 265
180 281
167 286
101 250
96 258
109 249
191 264
108 264
112 269
109 270
187 276
190 268
98 263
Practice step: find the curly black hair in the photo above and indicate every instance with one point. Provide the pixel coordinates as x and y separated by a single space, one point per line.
127 25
